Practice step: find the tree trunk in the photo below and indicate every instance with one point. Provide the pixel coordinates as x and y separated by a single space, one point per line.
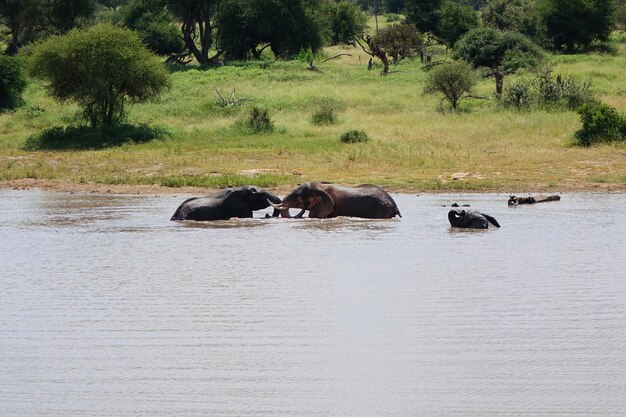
499 84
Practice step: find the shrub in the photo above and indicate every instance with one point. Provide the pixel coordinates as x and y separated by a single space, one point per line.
100 68
84 137
518 95
12 83
453 80
257 121
354 136
601 123
559 92
326 114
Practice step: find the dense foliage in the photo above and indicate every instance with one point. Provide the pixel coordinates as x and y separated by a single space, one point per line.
574 24
399 41
453 80
455 20
84 137
344 21
514 15
601 123
285 26
499 53
423 14
12 83
28 20
154 24
100 68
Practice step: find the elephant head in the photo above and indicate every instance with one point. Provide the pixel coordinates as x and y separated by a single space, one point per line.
259 199
307 197
470 219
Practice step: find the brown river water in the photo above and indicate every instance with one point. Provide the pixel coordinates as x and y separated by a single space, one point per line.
109 309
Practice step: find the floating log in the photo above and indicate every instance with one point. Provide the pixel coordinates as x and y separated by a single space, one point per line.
514 200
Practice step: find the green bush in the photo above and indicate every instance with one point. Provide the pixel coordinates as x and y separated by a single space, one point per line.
548 92
12 83
258 121
518 95
84 137
562 92
100 68
453 80
354 136
601 123
161 38
344 20
326 114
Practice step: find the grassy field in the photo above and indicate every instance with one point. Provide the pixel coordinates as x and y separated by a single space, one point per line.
414 145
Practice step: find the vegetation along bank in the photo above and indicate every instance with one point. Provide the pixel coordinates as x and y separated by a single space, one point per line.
477 96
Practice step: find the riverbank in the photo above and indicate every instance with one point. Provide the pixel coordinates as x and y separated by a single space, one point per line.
125 189
415 146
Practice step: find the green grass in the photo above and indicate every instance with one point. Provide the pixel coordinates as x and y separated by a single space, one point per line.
412 145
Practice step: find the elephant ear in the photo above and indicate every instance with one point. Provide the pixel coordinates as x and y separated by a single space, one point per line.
321 204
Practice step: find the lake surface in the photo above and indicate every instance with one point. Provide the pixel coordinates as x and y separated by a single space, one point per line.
109 309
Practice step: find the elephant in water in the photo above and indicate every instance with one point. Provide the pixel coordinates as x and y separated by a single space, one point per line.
471 219
231 202
324 200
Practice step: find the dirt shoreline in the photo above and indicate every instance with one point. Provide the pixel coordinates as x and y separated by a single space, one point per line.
93 188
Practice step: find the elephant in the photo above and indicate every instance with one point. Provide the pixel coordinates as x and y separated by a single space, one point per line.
324 200
471 219
231 202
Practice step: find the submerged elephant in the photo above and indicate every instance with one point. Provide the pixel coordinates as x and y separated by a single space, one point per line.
331 200
231 202
471 219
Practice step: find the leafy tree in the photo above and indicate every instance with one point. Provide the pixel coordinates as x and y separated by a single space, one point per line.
28 20
620 15
344 19
423 14
453 80
499 53
22 18
394 6
455 20
100 68
154 24
12 83
399 41
286 26
65 15
199 26
514 15
574 24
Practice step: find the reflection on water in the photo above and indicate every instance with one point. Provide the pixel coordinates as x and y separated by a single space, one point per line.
109 309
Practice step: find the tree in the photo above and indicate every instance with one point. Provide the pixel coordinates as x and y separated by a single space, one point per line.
199 25
423 14
499 53
454 80
154 24
28 20
400 41
620 15
22 18
344 20
12 83
285 26
514 15
100 68
574 24
455 20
